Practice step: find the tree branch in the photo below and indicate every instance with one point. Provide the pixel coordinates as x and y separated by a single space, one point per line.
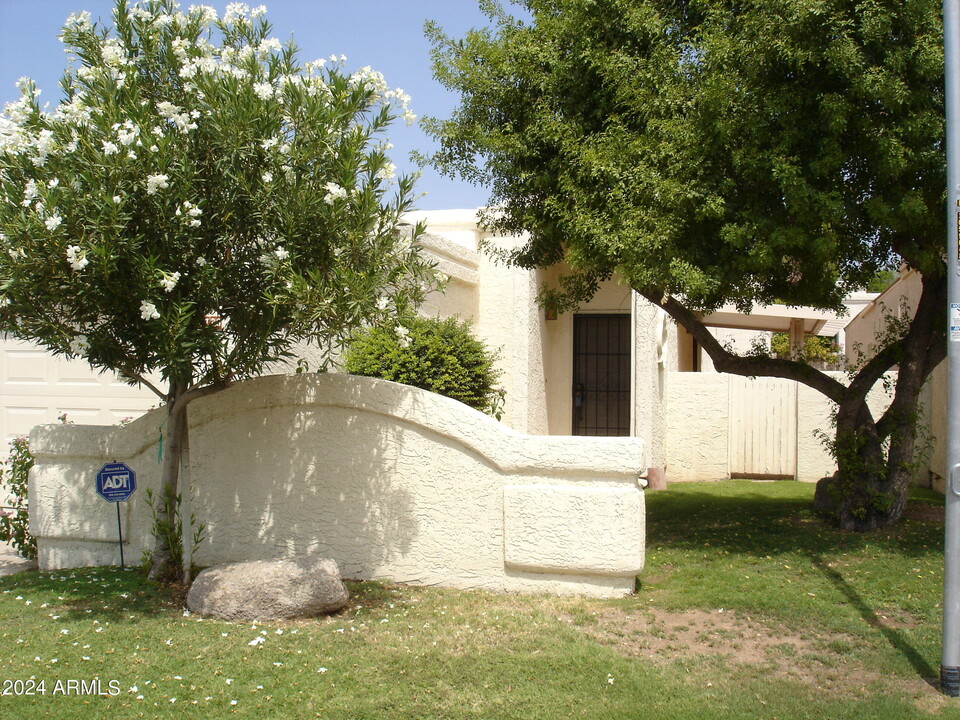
750 366
198 392
875 368
137 377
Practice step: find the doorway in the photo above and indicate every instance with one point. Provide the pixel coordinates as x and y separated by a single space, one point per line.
601 375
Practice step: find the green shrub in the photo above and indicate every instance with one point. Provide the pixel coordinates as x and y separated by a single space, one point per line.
14 519
173 531
442 356
815 347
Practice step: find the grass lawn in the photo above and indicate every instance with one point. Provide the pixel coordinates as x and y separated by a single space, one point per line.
749 608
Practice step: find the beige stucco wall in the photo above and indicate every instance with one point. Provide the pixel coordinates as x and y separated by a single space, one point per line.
501 302
698 427
511 322
651 361
390 481
461 265
860 334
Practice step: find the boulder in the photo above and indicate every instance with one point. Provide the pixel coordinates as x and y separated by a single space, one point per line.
268 590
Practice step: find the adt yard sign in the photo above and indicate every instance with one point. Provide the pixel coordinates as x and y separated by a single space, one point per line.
116 482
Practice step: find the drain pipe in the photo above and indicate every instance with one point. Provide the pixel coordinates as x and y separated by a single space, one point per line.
950 658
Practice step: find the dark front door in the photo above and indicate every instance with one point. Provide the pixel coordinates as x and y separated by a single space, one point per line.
601 375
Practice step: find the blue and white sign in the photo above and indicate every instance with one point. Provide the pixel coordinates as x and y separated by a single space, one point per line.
116 482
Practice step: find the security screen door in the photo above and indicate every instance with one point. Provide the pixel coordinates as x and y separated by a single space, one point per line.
601 375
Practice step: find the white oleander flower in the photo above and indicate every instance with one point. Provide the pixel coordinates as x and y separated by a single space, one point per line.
148 311
169 282
334 191
127 133
75 256
79 345
157 182
29 193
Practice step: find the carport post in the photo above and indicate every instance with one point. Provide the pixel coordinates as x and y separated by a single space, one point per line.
950 658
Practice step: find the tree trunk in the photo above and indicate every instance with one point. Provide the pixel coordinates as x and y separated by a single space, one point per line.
869 489
186 509
875 459
162 565
858 497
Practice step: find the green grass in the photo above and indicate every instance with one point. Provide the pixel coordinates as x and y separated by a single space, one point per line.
814 624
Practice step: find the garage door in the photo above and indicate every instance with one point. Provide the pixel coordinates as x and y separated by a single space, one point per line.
36 388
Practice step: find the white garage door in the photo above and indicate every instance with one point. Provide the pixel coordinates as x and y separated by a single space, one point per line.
36 388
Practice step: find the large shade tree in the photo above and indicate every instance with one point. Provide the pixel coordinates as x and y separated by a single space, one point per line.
715 152
198 204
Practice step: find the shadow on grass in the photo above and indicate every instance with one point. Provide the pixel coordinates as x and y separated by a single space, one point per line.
893 636
735 518
765 522
107 594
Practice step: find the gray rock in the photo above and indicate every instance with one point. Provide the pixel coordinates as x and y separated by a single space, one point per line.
268 590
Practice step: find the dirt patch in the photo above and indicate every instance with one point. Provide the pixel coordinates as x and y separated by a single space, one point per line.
827 662
662 636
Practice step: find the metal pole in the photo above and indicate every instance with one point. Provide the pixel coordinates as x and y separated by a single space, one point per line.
119 532
950 659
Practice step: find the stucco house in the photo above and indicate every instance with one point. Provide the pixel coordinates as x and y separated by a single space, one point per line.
620 366
616 367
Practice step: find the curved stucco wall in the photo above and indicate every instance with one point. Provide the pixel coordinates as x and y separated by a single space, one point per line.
391 481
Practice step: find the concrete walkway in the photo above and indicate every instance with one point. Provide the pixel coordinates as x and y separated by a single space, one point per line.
11 563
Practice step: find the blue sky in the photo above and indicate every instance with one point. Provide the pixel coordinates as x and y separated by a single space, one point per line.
385 34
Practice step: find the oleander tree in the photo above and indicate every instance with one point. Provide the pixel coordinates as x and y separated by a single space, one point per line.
713 152
198 205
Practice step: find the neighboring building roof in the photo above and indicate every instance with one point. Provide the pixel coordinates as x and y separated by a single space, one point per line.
776 318
456 226
773 318
854 302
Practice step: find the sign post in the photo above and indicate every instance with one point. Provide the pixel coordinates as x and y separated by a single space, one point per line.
950 657
116 482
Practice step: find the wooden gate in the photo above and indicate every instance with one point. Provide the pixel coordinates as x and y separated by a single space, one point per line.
763 428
